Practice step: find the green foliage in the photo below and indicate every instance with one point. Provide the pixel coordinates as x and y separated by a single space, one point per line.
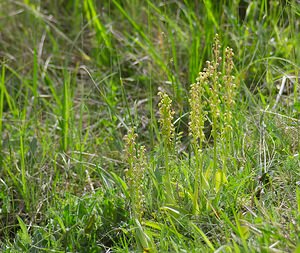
208 168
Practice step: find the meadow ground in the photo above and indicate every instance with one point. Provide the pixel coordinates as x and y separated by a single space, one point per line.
149 126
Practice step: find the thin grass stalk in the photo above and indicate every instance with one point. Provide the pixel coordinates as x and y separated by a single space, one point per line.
10 102
198 184
25 191
35 78
91 14
66 112
23 170
2 85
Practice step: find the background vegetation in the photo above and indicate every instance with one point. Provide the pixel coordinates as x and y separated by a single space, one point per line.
77 76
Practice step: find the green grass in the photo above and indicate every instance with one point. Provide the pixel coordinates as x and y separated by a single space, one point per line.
76 77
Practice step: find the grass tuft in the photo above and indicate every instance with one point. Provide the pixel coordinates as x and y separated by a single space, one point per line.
207 167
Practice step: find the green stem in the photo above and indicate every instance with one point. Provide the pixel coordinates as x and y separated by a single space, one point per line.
215 143
198 185
169 192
